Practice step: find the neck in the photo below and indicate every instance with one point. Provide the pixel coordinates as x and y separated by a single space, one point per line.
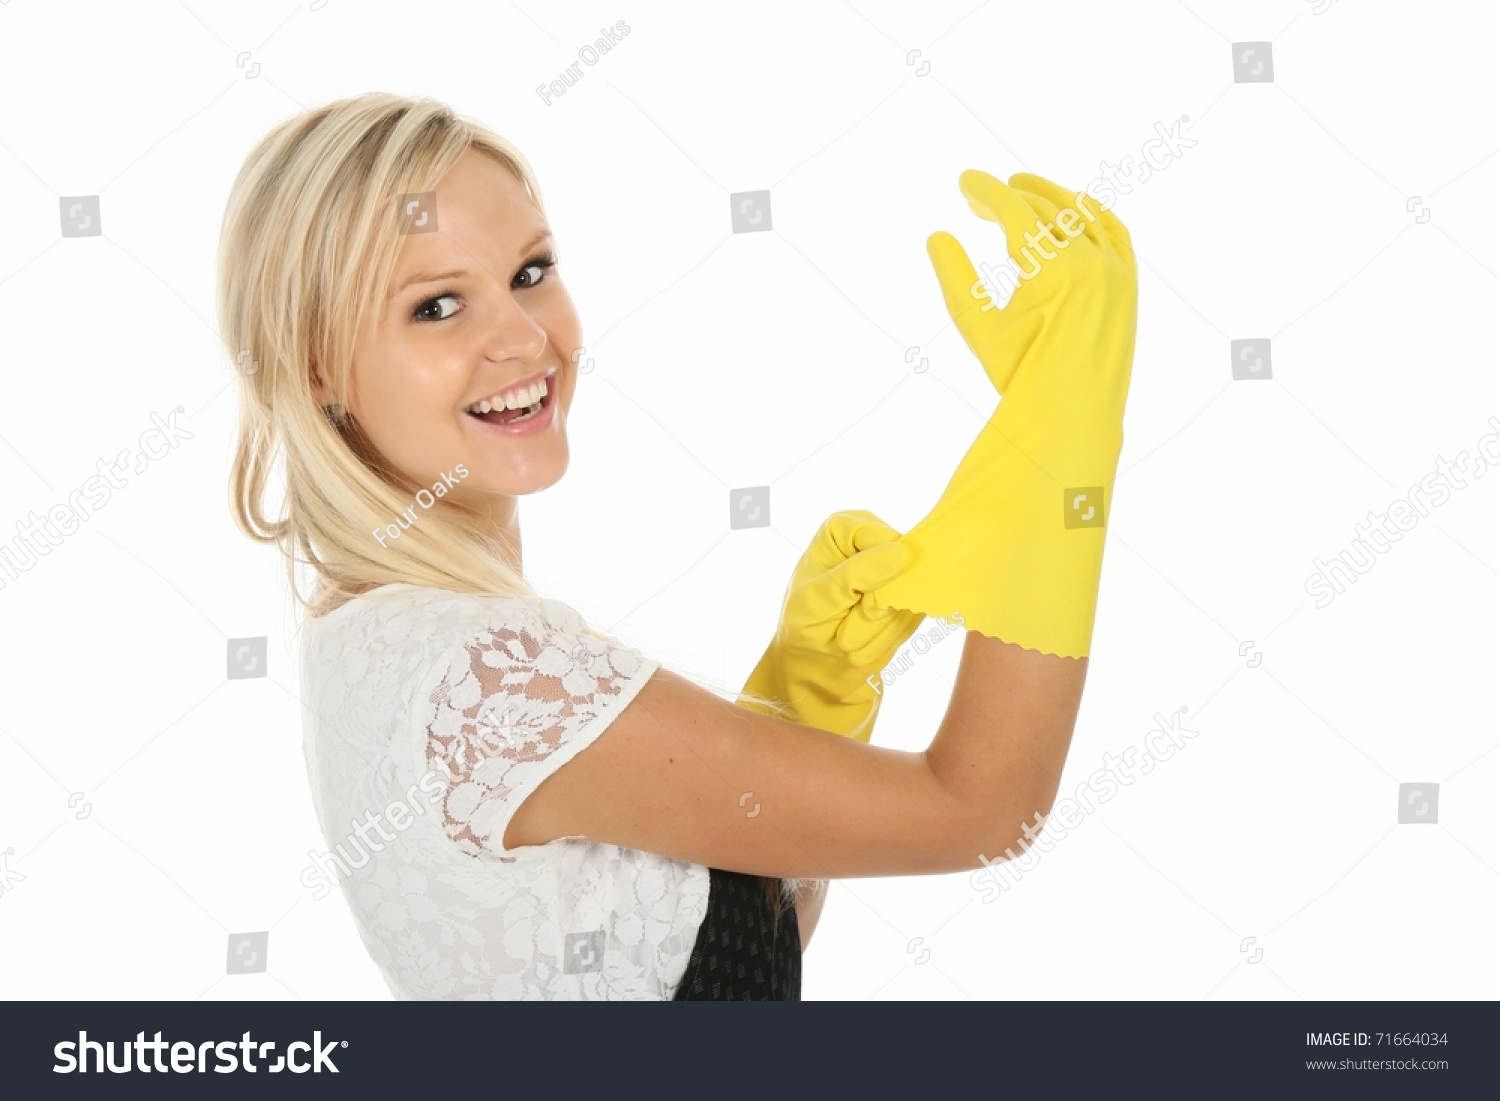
504 514
512 528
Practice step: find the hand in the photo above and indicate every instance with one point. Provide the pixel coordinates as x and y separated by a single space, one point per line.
1016 542
835 631
1073 301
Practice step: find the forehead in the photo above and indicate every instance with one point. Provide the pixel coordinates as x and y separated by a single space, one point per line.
479 193
485 220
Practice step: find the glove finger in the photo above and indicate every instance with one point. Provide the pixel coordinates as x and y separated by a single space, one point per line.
871 641
1086 206
989 198
851 533
1051 212
1047 211
868 530
830 594
873 606
873 565
840 536
985 331
843 534
1120 235
858 633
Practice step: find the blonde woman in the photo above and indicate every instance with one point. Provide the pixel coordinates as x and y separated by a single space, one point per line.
389 270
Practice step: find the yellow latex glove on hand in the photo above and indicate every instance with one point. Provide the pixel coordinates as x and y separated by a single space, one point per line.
833 632
1016 542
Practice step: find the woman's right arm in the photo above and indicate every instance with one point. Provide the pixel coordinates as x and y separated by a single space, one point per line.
681 772
688 775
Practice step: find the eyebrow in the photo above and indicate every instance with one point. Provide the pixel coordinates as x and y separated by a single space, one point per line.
455 273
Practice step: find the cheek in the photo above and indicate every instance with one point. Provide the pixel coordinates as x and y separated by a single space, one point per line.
409 397
560 319
419 378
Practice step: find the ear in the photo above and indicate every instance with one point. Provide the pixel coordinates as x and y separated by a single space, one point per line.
321 389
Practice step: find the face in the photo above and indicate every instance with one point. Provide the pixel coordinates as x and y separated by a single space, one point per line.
475 309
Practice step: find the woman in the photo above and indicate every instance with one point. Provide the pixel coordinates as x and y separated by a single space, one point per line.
388 279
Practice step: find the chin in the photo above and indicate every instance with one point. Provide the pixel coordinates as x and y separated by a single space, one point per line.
512 483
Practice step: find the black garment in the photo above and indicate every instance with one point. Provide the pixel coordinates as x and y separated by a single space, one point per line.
742 954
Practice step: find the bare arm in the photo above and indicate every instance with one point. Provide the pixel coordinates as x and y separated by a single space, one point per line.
1011 716
679 769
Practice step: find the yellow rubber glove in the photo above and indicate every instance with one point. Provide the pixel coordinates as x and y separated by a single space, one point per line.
833 633
1016 542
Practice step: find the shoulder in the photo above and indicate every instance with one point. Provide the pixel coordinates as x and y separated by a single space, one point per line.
451 652
538 658
419 621
392 644
515 689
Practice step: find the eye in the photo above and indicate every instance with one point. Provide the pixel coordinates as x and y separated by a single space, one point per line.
419 315
540 265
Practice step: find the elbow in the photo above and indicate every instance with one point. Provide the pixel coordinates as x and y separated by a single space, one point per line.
979 828
1006 835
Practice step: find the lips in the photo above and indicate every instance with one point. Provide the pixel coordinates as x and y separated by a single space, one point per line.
496 399
520 423
517 417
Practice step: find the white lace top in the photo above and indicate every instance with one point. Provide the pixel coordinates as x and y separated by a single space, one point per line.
430 716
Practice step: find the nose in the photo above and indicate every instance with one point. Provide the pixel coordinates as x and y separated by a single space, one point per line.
513 332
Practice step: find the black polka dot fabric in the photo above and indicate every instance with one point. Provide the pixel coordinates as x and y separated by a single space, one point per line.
742 953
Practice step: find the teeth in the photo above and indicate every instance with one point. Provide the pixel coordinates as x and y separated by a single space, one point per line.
517 399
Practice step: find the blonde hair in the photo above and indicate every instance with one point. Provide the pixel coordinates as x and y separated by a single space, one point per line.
309 241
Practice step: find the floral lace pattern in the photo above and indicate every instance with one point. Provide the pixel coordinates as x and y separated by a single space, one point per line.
461 706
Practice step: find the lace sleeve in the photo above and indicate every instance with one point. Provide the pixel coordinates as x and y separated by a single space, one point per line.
511 707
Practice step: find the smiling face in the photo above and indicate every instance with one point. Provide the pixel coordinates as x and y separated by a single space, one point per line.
475 309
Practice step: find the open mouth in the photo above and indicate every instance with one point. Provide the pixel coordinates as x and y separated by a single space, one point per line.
519 408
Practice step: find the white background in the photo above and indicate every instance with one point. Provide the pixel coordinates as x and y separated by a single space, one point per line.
778 358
